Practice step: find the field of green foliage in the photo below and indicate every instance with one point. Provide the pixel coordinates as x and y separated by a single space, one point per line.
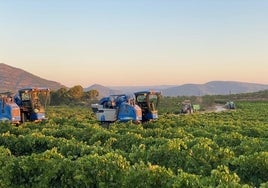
71 149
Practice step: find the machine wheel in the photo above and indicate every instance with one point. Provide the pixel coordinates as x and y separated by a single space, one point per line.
105 124
23 117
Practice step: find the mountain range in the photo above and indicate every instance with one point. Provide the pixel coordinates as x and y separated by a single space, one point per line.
210 88
12 79
214 88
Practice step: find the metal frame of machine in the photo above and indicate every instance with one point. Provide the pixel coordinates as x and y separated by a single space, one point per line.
32 102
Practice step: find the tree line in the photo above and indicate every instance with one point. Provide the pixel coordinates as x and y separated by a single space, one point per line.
73 95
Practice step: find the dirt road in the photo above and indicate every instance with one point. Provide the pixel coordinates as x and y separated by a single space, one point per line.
219 108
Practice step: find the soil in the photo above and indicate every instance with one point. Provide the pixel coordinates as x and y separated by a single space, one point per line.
219 108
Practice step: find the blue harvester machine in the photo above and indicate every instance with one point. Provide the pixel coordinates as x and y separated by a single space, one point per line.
137 108
28 105
9 110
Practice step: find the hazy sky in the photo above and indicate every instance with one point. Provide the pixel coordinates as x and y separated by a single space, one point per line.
138 42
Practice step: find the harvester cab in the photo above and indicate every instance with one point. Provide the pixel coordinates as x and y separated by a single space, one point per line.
230 105
120 108
9 110
32 103
187 107
148 102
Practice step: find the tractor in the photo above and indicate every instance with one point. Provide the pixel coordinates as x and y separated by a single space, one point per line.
186 107
138 108
230 105
32 103
9 110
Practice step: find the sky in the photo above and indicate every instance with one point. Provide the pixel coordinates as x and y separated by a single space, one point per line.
136 43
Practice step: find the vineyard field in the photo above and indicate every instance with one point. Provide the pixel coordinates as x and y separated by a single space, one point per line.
72 149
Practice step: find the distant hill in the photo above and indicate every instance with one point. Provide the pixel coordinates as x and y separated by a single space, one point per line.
12 79
103 91
214 88
210 88
111 90
132 89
